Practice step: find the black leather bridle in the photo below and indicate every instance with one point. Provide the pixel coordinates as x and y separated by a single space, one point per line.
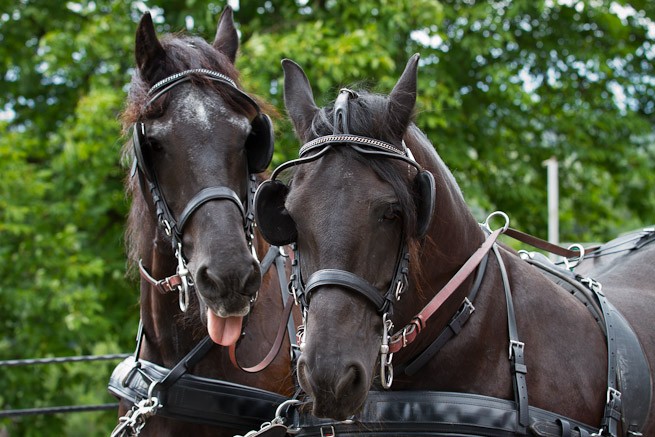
171 226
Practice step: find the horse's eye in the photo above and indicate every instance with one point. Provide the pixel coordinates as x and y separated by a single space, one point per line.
154 145
392 212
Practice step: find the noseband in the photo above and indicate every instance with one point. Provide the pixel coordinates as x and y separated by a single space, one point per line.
171 226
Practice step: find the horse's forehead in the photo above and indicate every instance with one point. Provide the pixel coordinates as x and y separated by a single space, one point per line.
205 110
338 178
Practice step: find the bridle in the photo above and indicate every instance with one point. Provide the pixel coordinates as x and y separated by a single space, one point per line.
302 291
174 227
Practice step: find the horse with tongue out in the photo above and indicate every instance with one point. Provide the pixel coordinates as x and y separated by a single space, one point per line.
198 142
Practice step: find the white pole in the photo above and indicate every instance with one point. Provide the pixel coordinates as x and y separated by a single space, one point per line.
553 199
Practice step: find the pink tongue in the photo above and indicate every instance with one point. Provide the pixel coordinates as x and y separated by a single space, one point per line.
224 331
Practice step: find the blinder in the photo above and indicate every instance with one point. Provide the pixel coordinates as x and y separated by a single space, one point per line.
273 219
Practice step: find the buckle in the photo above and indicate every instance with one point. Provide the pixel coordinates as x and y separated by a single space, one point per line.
512 344
468 304
612 394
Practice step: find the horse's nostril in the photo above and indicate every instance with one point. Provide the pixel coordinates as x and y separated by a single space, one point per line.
352 380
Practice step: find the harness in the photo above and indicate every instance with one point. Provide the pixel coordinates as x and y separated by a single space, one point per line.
176 394
443 413
277 226
454 414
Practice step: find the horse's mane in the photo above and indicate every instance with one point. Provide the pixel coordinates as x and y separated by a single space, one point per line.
183 52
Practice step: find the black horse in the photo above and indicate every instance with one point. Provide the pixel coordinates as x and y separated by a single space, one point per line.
198 142
385 238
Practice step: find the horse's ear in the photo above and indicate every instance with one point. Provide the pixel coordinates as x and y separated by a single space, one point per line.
298 98
403 96
227 38
148 51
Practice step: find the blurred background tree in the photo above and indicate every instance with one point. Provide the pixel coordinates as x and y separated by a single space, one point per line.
504 85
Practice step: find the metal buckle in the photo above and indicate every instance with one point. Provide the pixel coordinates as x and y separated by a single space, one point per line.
183 273
468 304
167 227
328 431
593 285
407 330
518 344
300 337
612 394
400 288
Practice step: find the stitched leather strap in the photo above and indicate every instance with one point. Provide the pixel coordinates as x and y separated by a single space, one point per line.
542 244
196 399
453 327
348 280
182 367
516 352
205 195
421 413
165 285
274 255
409 333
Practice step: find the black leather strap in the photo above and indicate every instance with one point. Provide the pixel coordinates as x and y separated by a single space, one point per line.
348 280
421 413
196 354
628 369
453 327
284 289
205 195
516 352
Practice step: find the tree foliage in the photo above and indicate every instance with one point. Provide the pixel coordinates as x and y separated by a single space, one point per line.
503 86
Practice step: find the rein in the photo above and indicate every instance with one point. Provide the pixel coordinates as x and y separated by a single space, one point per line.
408 334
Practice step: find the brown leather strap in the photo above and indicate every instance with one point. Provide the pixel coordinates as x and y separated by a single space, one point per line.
165 285
542 244
275 349
409 333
